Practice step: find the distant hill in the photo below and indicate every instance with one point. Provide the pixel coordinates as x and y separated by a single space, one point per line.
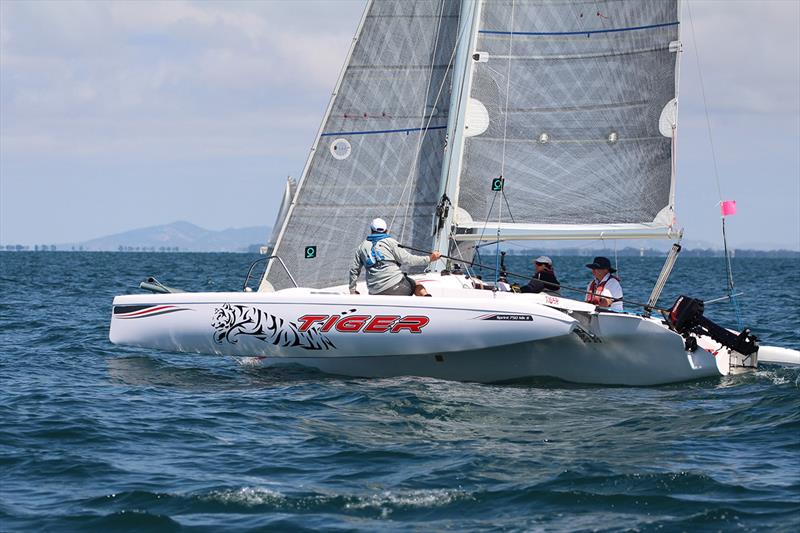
179 236
187 237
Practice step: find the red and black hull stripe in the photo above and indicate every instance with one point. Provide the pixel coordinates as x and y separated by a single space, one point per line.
144 311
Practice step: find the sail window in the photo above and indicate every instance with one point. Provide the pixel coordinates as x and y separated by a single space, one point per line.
544 138
613 137
340 149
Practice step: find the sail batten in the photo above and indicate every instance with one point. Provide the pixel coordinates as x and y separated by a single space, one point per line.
580 32
370 132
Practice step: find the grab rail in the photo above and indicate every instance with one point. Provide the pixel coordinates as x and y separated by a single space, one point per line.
254 263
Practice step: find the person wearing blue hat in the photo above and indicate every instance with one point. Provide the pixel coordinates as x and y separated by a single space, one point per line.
605 289
544 278
382 257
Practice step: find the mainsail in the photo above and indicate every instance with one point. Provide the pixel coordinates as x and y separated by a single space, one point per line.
379 151
580 100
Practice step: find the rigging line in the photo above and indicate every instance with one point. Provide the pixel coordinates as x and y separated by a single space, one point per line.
486 222
508 206
505 137
449 160
508 89
415 164
415 161
728 267
705 102
463 259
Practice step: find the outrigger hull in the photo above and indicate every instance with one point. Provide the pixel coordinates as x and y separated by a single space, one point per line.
475 336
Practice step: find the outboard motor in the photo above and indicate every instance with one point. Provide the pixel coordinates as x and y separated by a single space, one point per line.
686 317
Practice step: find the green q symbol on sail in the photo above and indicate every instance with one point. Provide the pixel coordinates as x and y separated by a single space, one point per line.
497 184
311 252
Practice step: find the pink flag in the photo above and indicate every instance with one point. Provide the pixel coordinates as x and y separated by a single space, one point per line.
728 207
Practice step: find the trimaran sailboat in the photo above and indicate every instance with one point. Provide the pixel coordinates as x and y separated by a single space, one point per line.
463 121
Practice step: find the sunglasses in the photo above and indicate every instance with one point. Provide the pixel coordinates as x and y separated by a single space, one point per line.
540 264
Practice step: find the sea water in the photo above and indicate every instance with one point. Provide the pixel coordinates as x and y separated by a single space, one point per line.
97 437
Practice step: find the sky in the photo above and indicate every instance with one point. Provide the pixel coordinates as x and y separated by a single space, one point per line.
120 115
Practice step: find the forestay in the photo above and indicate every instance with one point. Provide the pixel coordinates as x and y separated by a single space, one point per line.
379 151
580 101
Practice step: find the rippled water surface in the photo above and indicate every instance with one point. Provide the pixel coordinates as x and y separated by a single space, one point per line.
97 437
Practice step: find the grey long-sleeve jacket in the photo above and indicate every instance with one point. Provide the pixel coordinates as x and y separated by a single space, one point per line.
386 273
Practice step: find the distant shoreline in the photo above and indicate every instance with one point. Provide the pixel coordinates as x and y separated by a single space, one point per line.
566 252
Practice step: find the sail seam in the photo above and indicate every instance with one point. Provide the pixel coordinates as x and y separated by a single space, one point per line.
561 57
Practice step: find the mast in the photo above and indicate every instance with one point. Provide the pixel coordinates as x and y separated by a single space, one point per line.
451 168
678 48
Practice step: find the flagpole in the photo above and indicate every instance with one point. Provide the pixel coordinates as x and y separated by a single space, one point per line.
729 208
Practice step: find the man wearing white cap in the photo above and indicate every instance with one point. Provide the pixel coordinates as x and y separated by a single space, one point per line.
382 256
544 279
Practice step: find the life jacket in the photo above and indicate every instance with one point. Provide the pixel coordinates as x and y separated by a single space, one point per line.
375 256
598 289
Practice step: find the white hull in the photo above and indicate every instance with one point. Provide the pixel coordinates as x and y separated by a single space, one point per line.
459 334
562 357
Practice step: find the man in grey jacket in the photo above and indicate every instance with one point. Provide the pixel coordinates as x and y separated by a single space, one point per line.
382 256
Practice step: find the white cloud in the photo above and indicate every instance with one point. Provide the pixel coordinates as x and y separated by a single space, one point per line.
67 67
749 54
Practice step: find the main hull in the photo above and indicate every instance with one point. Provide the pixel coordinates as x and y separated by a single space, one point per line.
619 362
473 336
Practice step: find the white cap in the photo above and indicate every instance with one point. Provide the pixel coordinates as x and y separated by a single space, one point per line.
544 259
378 225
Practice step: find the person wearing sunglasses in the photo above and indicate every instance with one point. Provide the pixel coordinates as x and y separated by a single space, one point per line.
544 277
605 289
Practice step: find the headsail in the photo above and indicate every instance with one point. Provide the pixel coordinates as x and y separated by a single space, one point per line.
288 194
379 151
580 98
